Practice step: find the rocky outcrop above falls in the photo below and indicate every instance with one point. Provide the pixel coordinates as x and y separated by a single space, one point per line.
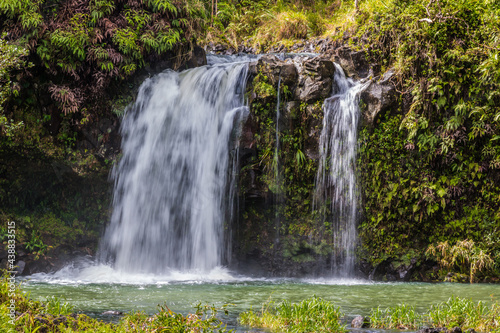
378 97
308 79
313 77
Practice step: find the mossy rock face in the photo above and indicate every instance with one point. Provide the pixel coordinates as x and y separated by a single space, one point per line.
277 231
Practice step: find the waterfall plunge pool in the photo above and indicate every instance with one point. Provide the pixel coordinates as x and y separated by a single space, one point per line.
96 289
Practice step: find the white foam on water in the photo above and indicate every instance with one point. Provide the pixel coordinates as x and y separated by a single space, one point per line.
338 282
104 274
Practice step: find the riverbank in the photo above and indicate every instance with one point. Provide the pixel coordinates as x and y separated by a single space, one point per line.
381 301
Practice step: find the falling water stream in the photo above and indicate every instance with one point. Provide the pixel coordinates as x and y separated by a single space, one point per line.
336 177
169 196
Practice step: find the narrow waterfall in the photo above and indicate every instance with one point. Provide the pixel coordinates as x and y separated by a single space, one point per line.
336 192
278 195
173 185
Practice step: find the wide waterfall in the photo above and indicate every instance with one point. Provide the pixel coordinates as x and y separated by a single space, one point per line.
170 202
336 178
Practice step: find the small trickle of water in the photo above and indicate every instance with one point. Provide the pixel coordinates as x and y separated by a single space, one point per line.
277 169
336 178
170 188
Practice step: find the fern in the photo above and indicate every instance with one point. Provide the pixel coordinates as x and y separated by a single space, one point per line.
163 6
99 9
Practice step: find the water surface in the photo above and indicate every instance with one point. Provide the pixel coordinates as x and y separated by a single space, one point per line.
181 291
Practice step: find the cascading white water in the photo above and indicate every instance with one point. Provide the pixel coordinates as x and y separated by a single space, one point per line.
336 177
170 187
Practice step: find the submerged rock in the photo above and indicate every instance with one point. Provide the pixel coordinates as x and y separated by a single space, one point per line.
444 330
360 322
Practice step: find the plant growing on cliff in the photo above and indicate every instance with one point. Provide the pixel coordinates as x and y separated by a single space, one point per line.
430 167
464 256
82 48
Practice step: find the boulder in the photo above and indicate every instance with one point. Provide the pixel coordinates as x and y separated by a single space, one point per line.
19 269
404 271
315 80
198 58
360 322
274 68
377 98
353 63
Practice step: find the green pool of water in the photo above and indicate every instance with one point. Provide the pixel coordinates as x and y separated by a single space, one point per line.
354 297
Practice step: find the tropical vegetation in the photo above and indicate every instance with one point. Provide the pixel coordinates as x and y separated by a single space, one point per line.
428 167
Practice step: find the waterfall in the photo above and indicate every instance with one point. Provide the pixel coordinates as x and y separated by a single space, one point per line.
278 195
336 178
173 185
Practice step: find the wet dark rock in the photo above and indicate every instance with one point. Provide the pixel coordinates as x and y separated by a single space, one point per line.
353 63
360 322
378 97
315 80
404 271
274 68
19 269
314 126
198 58
219 48
441 330
319 66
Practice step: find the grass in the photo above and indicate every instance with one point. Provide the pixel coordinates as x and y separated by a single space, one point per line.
398 317
456 312
264 23
311 315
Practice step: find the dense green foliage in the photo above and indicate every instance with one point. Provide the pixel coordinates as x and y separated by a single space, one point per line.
311 315
456 312
79 47
11 59
53 315
430 170
265 23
